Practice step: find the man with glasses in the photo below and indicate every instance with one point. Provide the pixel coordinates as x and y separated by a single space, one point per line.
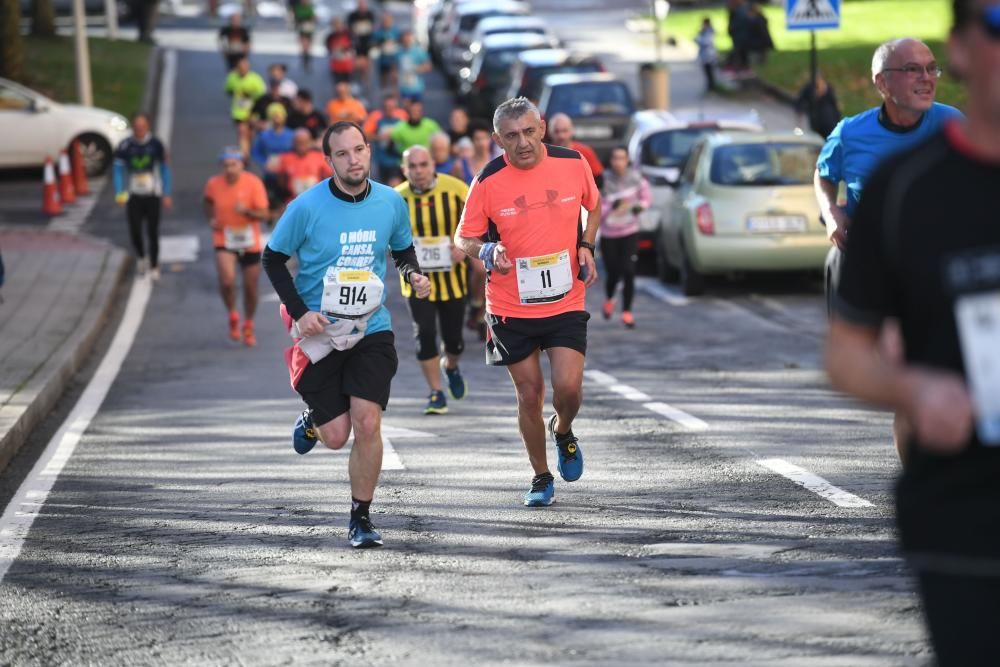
906 74
924 247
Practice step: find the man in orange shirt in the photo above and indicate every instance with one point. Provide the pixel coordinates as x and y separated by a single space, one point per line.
235 203
527 203
345 106
561 134
302 167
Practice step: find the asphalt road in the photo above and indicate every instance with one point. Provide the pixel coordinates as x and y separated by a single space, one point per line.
184 530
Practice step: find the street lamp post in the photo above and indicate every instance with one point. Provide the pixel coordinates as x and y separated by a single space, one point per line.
84 90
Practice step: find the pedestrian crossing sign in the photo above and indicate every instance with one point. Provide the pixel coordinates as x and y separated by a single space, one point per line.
812 14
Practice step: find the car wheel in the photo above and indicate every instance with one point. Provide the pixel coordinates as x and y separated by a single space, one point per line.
692 282
96 153
664 270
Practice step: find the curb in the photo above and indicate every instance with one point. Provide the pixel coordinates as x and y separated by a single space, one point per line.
54 376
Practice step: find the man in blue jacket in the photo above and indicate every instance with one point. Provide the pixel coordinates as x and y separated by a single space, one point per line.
906 75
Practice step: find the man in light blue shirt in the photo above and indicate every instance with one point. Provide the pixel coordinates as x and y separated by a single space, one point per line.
906 75
341 230
413 63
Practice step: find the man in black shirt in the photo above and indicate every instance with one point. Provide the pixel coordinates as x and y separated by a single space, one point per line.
925 249
304 114
234 42
361 24
272 96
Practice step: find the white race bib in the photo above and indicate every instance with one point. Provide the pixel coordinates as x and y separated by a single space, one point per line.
238 238
389 47
978 319
350 293
433 252
142 184
544 279
300 185
244 103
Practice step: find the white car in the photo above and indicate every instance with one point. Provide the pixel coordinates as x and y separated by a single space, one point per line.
35 127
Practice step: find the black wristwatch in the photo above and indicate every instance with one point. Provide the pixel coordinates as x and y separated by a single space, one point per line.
588 246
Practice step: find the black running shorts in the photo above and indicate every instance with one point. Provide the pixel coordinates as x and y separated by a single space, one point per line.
513 339
244 259
364 371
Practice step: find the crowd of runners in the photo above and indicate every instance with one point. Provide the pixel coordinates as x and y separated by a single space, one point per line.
496 224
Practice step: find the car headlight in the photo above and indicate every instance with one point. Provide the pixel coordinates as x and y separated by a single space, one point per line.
118 123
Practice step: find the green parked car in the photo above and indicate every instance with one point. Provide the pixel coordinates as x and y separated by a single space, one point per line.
744 202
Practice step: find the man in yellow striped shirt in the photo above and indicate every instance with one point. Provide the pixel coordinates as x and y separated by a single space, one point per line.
435 203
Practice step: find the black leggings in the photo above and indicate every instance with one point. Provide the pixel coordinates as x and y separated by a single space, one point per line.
620 257
145 208
426 316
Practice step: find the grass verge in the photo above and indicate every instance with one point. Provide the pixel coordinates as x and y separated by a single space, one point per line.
117 71
845 54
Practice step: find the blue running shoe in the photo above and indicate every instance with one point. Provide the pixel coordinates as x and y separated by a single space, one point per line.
457 386
436 404
570 455
542 491
304 437
362 534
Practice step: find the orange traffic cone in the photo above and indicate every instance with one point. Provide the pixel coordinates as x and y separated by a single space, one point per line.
50 200
66 192
79 171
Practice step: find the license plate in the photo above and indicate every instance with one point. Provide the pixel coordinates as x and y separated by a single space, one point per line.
776 224
593 132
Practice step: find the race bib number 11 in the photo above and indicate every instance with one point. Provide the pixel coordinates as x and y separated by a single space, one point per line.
544 279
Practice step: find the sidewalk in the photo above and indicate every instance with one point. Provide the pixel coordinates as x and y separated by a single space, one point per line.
58 294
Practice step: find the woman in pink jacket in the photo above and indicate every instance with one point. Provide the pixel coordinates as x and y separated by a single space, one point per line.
624 196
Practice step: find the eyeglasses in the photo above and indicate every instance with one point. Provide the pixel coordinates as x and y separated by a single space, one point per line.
914 71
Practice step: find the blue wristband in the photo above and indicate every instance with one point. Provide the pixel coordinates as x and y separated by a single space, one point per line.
486 254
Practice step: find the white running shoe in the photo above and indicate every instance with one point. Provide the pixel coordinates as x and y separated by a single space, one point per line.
154 274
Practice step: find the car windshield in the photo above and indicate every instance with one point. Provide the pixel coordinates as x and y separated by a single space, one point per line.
580 100
535 76
670 148
469 22
496 64
764 164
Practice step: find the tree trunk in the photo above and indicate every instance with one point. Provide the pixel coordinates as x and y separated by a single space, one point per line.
43 18
11 44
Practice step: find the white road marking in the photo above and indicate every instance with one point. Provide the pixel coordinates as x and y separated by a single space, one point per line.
660 292
631 393
74 215
27 502
814 483
398 433
180 248
165 116
673 414
600 377
390 459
